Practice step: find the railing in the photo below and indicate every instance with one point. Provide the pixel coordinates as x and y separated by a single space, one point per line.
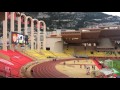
5 74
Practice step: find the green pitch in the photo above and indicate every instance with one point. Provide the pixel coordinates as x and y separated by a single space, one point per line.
114 65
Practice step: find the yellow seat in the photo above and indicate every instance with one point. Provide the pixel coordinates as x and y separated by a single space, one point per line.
35 54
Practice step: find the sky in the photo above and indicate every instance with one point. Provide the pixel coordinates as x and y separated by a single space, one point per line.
113 13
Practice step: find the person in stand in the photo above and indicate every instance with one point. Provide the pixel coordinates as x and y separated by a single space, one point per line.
102 66
80 66
94 74
64 63
29 45
32 72
88 70
74 61
85 66
20 41
53 59
26 40
94 67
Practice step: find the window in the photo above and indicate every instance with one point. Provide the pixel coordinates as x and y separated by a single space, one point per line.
47 48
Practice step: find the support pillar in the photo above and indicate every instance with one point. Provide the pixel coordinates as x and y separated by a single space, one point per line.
44 35
12 29
32 36
25 30
19 24
5 33
38 37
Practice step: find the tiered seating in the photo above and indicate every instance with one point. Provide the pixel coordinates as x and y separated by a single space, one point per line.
68 54
118 54
89 49
81 53
37 51
21 59
61 55
69 51
104 54
47 53
34 54
88 53
99 54
17 60
95 53
110 54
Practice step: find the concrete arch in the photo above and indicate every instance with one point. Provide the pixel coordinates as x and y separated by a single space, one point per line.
44 34
35 20
12 20
38 34
12 14
18 13
5 26
22 14
25 22
32 32
19 21
37 24
12 24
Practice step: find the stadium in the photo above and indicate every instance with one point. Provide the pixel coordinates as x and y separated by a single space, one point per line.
29 51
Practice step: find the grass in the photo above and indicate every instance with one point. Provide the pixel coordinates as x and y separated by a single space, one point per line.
116 66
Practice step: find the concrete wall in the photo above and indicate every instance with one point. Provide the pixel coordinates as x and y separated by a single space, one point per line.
57 32
55 44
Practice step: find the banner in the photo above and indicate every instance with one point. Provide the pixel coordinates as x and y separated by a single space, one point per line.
16 38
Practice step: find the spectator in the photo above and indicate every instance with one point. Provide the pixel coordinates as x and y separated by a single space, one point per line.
74 61
80 66
21 41
85 66
64 63
32 71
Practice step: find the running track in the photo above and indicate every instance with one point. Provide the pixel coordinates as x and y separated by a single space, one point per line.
48 70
